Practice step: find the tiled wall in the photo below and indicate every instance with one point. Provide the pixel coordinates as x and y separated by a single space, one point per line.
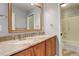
19 36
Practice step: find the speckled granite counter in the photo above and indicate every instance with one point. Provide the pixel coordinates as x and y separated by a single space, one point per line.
12 46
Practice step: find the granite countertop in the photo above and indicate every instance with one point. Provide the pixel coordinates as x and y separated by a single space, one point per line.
13 46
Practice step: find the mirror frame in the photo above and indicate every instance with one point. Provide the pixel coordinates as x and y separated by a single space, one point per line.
20 29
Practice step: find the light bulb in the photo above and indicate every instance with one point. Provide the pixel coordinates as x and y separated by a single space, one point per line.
63 5
32 3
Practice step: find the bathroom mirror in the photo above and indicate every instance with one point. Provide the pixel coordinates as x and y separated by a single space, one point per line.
24 17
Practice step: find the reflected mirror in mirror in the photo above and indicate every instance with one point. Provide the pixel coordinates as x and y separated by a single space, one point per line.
25 17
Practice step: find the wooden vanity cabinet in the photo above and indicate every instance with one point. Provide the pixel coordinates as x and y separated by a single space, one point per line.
51 46
39 50
27 52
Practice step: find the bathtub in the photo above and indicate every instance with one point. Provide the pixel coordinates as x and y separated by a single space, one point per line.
70 45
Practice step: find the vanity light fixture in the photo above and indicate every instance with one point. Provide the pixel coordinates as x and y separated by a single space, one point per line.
36 4
32 4
63 5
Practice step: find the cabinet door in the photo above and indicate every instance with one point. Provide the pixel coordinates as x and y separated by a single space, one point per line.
27 52
51 46
39 50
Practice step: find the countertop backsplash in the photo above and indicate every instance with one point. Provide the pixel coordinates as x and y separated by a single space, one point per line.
20 36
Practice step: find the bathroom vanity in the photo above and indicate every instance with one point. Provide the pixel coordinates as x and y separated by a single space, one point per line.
43 45
28 19
45 48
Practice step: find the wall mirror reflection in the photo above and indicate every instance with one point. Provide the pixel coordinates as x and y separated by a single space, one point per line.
24 17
